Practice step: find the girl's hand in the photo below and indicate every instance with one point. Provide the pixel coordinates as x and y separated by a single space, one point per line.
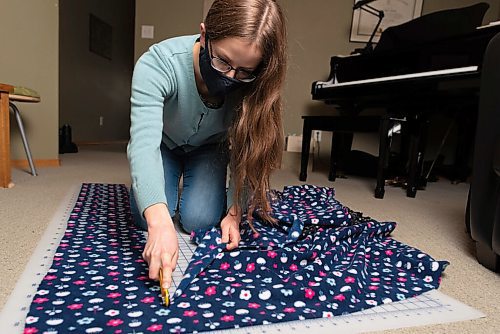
230 228
162 247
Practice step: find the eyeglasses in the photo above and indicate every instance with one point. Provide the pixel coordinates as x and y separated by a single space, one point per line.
222 66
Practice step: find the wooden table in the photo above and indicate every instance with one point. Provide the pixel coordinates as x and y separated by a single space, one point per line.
5 135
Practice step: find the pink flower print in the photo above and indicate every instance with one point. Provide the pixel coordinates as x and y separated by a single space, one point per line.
210 291
349 279
114 295
250 267
272 254
375 279
289 310
236 285
339 297
253 305
309 293
50 277
428 279
30 330
155 328
114 322
373 287
402 279
113 273
388 252
87 248
40 300
293 267
190 313
84 263
75 306
79 282
322 273
224 266
227 318
148 300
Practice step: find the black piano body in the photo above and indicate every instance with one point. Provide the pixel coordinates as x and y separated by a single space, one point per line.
439 74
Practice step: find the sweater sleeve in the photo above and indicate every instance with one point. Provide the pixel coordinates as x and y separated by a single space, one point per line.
152 83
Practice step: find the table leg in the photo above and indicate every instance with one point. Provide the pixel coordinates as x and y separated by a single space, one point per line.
4 141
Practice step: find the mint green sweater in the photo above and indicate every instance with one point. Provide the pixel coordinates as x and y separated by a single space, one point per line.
166 107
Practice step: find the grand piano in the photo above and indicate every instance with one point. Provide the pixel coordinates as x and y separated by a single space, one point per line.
429 65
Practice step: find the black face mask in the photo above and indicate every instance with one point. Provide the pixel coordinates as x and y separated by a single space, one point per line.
217 83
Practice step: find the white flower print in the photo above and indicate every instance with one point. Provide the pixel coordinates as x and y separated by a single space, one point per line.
31 320
228 291
85 321
245 294
112 313
228 304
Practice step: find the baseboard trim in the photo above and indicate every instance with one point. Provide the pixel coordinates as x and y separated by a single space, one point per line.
105 142
23 163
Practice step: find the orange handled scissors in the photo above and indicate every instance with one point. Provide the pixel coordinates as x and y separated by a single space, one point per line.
165 296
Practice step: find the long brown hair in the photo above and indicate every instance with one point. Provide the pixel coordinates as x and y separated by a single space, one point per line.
256 137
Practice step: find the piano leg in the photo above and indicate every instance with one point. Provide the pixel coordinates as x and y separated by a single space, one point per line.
341 149
383 155
416 158
466 129
332 174
306 143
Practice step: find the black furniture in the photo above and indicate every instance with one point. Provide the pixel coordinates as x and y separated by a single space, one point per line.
438 71
343 128
483 207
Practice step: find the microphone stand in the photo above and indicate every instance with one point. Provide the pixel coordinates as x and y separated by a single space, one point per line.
378 13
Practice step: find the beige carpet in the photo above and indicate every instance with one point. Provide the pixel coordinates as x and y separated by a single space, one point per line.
433 222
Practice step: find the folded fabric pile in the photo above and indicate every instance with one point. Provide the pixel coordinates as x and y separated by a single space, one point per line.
320 260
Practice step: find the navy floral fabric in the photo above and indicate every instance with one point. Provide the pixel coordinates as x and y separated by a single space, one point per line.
320 260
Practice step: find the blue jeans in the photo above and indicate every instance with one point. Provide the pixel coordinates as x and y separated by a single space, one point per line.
202 200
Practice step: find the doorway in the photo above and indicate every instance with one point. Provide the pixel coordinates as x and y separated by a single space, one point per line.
96 61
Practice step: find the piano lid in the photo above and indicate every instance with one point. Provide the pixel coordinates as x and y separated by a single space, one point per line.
434 26
441 40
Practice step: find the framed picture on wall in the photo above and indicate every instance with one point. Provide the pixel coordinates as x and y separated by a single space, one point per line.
395 13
